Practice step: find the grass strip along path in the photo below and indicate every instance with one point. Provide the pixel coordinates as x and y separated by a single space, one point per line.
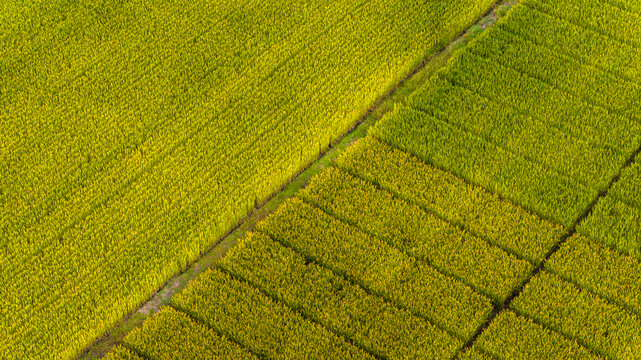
494 212
135 134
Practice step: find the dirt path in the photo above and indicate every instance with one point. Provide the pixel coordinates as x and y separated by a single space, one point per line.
386 103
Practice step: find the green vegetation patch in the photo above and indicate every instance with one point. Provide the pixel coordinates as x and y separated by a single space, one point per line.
592 84
171 334
539 99
581 315
329 299
628 187
474 208
616 224
486 268
525 182
134 134
535 139
600 269
382 269
249 317
601 16
122 353
563 37
510 336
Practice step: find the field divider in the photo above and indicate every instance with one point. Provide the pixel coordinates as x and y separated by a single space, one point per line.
541 266
365 288
438 215
199 320
417 258
474 184
626 202
209 256
137 352
565 335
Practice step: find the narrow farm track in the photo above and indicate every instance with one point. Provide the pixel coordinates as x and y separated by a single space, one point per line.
485 206
320 179
73 222
163 295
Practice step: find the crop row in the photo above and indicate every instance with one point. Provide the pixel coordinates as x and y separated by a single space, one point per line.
267 328
534 97
484 267
600 269
585 81
529 136
598 15
330 300
510 336
605 328
472 207
379 267
171 334
563 37
527 183
137 211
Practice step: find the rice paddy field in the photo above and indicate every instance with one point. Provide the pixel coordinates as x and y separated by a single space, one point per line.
493 212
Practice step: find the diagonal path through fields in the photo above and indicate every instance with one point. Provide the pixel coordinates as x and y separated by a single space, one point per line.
129 219
447 197
492 214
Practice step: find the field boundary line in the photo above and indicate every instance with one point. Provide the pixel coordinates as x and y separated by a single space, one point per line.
195 318
474 184
365 288
540 120
442 217
625 202
209 257
570 337
579 98
137 352
445 119
607 299
541 266
578 57
573 56
301 312
426 261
